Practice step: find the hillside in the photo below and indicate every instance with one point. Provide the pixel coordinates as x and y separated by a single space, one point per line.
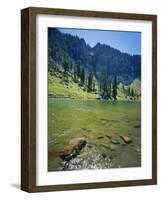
58 88
65 46
77 70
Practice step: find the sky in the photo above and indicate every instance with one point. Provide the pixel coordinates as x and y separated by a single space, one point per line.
128 42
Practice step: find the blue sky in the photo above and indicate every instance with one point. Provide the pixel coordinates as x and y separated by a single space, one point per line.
129 42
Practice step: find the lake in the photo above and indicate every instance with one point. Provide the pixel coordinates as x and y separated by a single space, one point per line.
102 124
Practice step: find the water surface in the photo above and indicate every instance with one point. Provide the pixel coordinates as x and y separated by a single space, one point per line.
101 123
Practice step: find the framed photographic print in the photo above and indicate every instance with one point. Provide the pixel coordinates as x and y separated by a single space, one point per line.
88 99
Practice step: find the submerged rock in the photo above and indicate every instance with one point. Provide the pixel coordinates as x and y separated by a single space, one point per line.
126 139
112 147
108 136
72 149
138 150
89 145
111 157
52 153
104 119
108 120
86 129
100 137
105 146
115 142
104 155
137 126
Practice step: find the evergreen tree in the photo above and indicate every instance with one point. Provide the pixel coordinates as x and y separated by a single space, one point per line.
75 74
82 76
132 92
128 93
94 86
78 70
66 65
114 88
122 88
109 89
103 83
89 84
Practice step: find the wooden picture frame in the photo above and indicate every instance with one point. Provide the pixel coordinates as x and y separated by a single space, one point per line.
28 98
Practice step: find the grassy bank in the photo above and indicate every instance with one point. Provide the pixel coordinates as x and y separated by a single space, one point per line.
59 88
62 85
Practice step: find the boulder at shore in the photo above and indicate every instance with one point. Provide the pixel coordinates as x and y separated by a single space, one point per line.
72 149
126 139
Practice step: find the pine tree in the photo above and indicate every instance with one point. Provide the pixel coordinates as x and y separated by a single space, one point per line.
94 86
132 92
128 93
103 83
89 84
78 70
75 75
122 88
109 89
114 88
82 76
66 66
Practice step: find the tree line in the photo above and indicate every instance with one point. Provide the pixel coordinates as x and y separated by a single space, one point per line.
106 88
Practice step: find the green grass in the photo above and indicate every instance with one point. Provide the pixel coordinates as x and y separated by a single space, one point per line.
62 85
135 86
60 89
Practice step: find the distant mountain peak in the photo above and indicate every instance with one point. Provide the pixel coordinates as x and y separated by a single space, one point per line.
66 46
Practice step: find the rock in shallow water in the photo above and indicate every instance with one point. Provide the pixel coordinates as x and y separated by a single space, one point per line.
137 126
115 142
108 136
88 159
100 137
105 146
126 139
72 149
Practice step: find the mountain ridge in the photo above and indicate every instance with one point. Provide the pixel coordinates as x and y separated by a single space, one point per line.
125 66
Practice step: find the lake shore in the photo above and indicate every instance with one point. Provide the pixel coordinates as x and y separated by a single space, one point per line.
98 99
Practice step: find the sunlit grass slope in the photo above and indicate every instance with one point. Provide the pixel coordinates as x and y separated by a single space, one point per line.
58 88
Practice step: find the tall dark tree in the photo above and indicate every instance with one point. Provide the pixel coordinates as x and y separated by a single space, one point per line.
89 84
132 93
122 88
114 88
109 89
75 75
66 65
128 92
78 69
103 83
82 76
94 86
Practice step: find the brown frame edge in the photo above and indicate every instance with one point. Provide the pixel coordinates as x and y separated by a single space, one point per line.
28 99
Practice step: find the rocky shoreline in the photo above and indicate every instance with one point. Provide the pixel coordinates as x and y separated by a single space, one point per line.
79 154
